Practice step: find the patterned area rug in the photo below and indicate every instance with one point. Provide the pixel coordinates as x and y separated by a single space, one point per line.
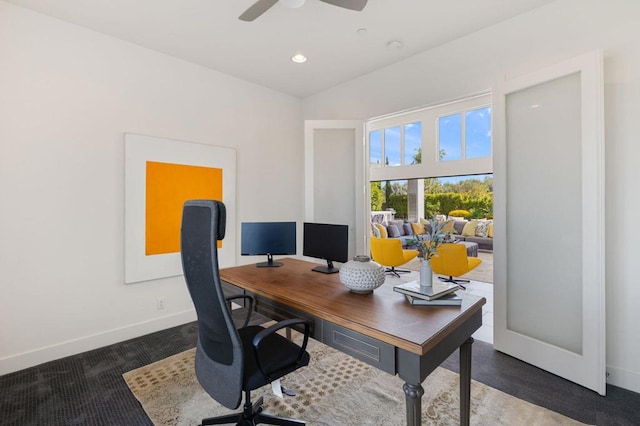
335 389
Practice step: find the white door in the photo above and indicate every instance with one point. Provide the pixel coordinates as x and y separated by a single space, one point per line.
335 190
549 273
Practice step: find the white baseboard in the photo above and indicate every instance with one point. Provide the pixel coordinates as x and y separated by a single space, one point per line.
623 378
619 377
71 347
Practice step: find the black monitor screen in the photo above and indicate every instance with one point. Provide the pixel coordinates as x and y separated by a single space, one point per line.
326 241
268 238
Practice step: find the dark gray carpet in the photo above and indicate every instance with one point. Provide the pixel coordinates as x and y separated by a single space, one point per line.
88 389
620 407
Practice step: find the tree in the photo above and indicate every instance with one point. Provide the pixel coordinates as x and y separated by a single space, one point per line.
377 196
399 187
432 186
417 158
387 192
387 187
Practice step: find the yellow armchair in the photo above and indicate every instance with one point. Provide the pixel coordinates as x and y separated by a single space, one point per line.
389 253
452 260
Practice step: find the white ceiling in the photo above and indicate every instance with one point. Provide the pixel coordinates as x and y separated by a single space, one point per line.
209 33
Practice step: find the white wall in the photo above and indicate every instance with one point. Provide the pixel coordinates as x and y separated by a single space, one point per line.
542 37
67 96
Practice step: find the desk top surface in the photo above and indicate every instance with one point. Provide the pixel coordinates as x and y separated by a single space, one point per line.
383 314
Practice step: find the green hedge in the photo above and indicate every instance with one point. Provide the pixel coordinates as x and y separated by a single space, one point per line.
398 203
443 203
481 207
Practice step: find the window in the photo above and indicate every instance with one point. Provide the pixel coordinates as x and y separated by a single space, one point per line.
444 148
448 139
478 133
392 146
475 125
413 143
402 145
375 148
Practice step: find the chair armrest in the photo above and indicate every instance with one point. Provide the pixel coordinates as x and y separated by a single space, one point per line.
258 338
249 311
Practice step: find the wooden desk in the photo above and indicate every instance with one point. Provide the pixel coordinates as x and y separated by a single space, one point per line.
380 328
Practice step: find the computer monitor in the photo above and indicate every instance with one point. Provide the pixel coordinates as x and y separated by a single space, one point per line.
326 241
268 238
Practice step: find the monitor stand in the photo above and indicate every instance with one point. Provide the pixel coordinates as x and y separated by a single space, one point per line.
329 269
269 263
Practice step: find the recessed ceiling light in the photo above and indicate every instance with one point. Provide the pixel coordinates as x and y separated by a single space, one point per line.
299 58
361 31
394 45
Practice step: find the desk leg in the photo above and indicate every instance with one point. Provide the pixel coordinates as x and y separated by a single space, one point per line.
413 398
465 382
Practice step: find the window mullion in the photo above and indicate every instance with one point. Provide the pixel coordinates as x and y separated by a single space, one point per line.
383 149
463 135
402 163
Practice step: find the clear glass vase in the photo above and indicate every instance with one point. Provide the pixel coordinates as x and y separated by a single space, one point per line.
426 274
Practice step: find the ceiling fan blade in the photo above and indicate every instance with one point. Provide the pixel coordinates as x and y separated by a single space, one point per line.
348 4
258 8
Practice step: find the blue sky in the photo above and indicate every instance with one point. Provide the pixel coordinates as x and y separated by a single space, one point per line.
450 135
478 133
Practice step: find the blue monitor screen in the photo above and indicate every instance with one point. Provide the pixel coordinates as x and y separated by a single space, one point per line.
268 238
326 241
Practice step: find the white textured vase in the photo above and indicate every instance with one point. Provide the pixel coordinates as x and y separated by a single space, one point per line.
426 274
362 275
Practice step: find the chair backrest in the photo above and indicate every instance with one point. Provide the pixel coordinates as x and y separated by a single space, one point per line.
219 356
450 259
387 251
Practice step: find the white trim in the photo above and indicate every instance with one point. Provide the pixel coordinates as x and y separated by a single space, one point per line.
429 106
622 378
75 346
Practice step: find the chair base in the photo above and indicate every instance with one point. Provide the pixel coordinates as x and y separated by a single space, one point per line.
252 415
396 272
454 281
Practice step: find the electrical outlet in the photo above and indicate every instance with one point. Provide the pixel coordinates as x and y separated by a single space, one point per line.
160 303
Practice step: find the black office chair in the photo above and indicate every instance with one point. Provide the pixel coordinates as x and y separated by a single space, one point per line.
229 360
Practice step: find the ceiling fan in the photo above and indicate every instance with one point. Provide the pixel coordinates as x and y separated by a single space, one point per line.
261 6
